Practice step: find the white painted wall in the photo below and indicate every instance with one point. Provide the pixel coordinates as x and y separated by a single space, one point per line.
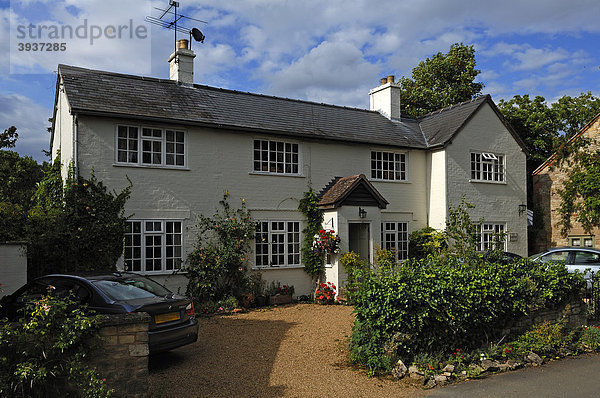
218 160
436 201
13 267
177 193
63 133
495 202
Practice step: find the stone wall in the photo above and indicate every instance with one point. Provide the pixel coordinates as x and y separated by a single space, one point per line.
574 314
123 357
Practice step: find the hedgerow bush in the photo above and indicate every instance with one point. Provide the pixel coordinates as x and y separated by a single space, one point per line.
436 304
44 354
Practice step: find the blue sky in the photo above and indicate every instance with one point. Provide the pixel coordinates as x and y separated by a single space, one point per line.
331 52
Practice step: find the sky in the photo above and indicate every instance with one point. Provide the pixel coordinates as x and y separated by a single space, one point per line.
330 51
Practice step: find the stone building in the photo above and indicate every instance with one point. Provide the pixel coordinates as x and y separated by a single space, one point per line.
548 180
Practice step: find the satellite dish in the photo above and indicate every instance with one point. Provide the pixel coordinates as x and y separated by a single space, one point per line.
197 35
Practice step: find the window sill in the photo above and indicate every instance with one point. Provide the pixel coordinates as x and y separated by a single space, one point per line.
277 268
258 173
391 181
147 166
488 182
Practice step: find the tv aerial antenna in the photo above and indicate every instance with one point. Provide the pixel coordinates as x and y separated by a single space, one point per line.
164 23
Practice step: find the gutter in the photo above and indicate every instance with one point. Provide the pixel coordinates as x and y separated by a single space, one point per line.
75 147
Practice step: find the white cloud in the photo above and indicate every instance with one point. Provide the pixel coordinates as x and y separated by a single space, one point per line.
31 121
325 73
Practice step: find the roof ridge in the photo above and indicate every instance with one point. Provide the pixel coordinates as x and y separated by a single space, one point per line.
438 111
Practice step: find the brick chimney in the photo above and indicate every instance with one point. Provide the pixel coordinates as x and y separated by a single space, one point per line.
386 98
181 63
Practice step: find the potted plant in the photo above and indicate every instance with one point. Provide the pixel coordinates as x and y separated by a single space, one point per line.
280 294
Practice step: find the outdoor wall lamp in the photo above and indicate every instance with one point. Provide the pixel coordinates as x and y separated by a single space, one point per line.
522 208
362 213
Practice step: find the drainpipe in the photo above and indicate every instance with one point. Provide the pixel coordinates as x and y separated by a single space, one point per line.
75 147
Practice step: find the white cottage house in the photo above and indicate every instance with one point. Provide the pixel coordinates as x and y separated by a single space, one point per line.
381 175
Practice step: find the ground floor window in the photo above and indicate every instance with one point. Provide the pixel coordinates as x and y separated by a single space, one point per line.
581 241
491 236
277 244
394 237
153 245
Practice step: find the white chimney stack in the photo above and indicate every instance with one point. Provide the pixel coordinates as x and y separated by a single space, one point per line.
386 98
181 63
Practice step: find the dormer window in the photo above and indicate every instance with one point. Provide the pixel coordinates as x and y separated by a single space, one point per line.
487 167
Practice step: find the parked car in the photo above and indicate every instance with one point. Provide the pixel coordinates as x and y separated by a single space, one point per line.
502 257
172 318
575 258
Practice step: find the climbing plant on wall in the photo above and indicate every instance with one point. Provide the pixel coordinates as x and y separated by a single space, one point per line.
313 263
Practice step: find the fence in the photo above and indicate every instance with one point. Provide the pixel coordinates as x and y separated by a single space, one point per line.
592 295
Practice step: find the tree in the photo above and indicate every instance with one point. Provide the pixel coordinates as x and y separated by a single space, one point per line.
19 176
535 123
9 137
441 81
544 128
580 195
75 226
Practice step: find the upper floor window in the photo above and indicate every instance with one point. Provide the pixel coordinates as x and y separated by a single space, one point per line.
276 157
487 166
150 146
389 166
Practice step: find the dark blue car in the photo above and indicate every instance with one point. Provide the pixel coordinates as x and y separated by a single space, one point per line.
172 318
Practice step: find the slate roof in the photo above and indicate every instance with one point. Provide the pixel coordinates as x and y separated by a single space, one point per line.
136 97
342 187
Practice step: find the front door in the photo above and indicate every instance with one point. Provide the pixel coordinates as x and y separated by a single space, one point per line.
358 242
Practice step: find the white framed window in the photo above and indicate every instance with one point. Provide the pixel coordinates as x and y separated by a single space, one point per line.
581 241
149 146
487 166
153 246
277 244
394 237
491 236
388 166
276 157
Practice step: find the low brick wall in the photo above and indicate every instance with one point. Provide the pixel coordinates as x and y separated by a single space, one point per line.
123 357
574 314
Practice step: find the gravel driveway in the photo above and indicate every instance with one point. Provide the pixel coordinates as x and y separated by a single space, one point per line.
289 351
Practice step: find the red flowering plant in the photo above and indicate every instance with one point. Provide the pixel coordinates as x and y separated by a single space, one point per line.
285 290
325 293
326 242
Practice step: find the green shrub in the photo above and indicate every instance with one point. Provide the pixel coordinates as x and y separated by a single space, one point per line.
426 241
590 338
78 227
356 270
216 268
545 339
44 354
437 304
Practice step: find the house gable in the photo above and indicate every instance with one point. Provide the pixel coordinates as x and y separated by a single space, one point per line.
351 191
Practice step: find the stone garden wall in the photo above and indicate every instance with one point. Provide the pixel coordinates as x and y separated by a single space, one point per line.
123 357
574 314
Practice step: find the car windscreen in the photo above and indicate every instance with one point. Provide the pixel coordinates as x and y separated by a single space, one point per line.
131 288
